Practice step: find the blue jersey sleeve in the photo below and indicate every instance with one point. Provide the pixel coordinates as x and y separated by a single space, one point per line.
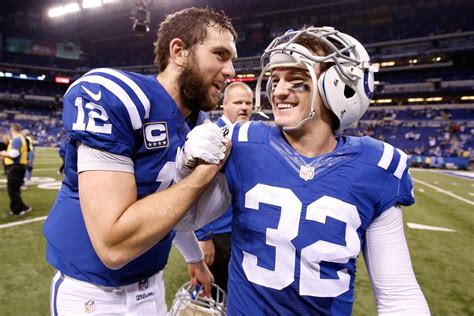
390 174
100 112
397 191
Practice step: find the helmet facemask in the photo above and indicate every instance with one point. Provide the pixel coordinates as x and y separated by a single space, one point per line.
346 87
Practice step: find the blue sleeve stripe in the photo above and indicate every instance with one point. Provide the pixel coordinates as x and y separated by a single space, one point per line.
138 91
402 164
244 132
387 156
119 92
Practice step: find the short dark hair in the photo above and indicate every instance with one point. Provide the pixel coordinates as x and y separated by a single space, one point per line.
190 26
314 44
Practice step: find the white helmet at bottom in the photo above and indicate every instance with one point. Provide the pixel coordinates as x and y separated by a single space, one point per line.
189 302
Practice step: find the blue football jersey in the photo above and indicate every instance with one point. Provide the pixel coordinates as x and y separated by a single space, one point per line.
126 114
299 223
222 224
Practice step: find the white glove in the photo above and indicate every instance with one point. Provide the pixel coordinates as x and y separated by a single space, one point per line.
212 204
205 142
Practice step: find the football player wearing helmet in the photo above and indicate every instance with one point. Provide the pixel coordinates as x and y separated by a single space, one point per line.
306 202
110 230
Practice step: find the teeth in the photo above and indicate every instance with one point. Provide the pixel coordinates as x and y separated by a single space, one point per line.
282 106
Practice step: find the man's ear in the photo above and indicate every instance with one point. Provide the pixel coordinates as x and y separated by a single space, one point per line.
178 53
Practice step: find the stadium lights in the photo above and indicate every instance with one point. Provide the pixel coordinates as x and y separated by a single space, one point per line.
75 7
87 4
383 101
62 10
416 99
387 64
467 98
62 79
245 76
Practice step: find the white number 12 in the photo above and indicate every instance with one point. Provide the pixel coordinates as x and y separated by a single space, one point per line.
101 115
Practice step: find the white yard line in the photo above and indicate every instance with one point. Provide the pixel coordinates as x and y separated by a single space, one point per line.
444 191
37 219
426 227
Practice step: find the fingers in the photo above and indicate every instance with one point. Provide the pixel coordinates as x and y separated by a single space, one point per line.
205 142
200 274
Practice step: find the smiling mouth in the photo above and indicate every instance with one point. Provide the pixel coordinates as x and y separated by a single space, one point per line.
285 106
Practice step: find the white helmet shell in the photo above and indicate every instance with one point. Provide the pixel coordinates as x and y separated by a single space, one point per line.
346 88
188 301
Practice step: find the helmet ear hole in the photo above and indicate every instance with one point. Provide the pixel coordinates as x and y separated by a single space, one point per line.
348 92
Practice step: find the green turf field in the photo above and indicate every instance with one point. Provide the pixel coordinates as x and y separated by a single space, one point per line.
443 261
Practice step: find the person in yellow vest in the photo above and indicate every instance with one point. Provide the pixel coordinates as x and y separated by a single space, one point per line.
15 159
30 154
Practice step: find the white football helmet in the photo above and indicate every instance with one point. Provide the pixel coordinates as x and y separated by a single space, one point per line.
189 302
346 88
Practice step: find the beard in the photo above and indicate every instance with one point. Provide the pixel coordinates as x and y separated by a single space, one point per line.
194 90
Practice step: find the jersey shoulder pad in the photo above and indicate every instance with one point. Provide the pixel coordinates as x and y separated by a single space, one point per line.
390 171
250 132
104 108
384 156
113 90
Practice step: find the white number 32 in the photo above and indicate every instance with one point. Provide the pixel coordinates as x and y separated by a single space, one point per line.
285 252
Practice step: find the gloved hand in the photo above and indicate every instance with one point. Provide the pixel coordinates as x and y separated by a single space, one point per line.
205 142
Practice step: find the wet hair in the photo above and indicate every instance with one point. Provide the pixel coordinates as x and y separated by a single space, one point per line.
189 25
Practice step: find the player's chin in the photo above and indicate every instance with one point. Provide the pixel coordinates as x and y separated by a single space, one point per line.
280 122
209 105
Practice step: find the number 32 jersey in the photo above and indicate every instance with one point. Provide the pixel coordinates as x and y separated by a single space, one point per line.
129 115
299 223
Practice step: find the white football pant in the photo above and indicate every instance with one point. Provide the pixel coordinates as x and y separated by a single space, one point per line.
73 297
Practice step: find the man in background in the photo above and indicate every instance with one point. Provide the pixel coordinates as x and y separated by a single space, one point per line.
15 160
214 238
30 154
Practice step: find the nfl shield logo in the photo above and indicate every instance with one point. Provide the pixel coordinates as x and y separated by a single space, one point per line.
89 306
143 285
306 172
